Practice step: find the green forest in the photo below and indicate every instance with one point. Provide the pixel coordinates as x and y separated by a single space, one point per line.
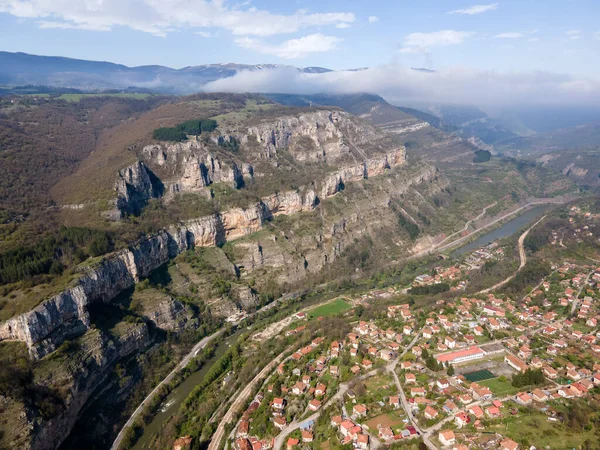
181 131
68 246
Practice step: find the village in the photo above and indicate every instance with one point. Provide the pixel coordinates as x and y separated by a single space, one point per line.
481 371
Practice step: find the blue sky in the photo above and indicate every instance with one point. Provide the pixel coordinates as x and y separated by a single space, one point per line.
507 35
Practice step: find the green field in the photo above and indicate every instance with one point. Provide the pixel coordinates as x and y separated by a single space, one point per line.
78 97
500 388
337 306
539 431
480 375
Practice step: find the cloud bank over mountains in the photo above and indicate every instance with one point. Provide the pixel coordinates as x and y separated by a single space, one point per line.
401 84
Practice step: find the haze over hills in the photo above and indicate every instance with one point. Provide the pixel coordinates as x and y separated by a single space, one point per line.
23 68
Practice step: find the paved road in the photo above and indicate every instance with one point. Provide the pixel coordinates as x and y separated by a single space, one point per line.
492 223
583 285
403 400
202 344
343 388
522 258
184 362
469 222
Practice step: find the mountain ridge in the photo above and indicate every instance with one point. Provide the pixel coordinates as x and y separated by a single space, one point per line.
60 71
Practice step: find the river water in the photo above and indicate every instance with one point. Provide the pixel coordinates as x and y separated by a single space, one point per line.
174 400
508 229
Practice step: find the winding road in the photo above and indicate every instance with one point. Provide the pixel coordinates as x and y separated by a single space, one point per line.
584 284
469 222
343 388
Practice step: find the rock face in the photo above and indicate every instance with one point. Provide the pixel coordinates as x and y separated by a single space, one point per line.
50 323
192 166
572 169
335 182
135 186
170 314
88 368
320 136
291 202
245 296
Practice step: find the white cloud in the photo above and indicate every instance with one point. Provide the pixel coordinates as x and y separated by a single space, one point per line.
533 39
343 25
422 42
373 19
476 9
51 25
162 16
399 84
573 34
518 35
293 48
204 34
509 35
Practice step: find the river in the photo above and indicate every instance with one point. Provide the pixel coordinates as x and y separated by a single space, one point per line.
174 400
507 229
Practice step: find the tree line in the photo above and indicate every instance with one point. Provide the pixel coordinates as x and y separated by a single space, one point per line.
181 131
528 378
50 256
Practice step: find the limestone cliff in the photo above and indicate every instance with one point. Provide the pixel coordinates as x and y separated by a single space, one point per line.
50 323
193 165
78 373
170 314
134 187
371 167
318 136
66 314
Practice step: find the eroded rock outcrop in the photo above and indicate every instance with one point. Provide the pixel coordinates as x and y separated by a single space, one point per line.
50 323
47 325
170 314
191 166
291 202
66 314
335 181
313 136
88 368
135 185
